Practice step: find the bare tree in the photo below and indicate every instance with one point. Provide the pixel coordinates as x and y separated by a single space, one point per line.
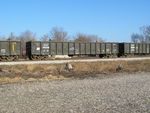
82 38
96 38
137 38
146 33
87 38
26 36
58 34
45 37
143 37
12 36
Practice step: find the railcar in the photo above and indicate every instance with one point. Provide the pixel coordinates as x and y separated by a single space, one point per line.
126 49
38 49
10 50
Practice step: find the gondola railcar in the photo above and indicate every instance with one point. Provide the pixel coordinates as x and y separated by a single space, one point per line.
10 50
38 49
126 49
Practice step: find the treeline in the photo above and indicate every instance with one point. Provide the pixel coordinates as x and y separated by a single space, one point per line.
143 36
55 34
59 34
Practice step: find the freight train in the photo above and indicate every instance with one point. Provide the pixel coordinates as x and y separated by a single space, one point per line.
11 50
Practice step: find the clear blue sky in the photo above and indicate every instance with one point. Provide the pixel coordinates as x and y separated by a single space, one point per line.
114 20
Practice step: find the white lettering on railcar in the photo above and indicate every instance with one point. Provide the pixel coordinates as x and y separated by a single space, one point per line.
45 47
38 48
3 51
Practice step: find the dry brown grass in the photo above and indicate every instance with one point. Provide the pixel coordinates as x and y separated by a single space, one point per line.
58 71
34 68
20 79
125 66
94 67
52 77
11 80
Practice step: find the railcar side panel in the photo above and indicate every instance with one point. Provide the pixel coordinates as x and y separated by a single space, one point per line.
82 48
108 48
140 48
36 48
136 48
147 48
65 48
59 46
115 48
53 48
144 48
98 48
103 48
45 48
77 48
132 48
93 48
4 48
15 48
71 48
88 48
127 48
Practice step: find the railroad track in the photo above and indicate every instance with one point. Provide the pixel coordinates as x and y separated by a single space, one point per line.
72 60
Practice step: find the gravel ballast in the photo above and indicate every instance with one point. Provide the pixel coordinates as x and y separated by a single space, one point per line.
114 94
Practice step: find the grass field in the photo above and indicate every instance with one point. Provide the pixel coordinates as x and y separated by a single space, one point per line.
21 73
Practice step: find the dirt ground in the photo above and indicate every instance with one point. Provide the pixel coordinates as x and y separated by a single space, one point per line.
19 73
